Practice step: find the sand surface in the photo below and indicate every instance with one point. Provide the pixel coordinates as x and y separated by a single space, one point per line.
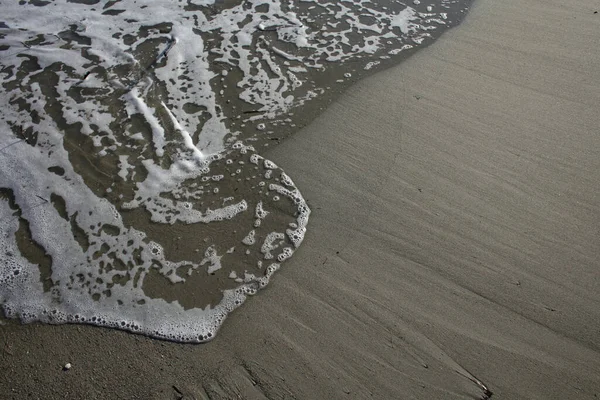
454 241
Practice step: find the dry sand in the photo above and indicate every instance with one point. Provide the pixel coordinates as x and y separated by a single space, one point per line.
454 238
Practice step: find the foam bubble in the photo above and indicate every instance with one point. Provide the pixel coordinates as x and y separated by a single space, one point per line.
250 238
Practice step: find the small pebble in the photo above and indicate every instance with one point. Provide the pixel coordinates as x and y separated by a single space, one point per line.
67 367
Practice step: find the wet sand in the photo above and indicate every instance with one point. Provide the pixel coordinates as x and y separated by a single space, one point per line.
453 242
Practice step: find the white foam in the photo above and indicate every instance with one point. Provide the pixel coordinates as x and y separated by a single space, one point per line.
250 239
134 95
212 259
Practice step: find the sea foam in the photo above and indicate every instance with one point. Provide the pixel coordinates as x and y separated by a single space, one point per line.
126 157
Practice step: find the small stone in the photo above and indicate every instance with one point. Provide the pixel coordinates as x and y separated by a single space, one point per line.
67 367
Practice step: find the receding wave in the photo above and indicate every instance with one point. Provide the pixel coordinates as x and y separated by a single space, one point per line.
132 191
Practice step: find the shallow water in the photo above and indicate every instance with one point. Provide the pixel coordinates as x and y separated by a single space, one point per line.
132 191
